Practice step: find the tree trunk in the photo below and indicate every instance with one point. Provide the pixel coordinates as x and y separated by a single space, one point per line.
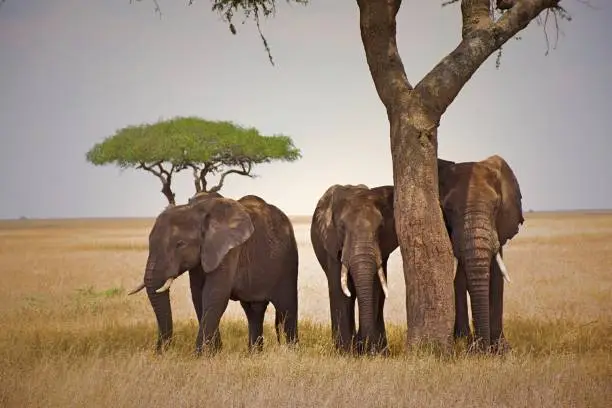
167 192
414 115
203 183
197 185
426 251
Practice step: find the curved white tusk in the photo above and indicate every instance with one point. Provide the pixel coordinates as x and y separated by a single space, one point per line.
502 267
166 286
136 289
344 281
383 281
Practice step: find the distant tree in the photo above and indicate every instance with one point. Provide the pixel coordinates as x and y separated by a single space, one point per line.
205 147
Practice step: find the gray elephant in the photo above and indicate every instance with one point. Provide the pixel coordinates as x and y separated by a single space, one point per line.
481 203
241 250
353 234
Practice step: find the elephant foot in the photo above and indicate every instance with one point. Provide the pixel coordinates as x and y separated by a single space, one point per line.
379 348
500 347
477 346
462 333
207 351
292 345
209 348
256 346
162 345
346 347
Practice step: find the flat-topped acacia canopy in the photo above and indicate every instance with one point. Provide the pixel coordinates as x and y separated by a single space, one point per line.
204 146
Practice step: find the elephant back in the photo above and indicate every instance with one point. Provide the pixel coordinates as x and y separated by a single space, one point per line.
273 233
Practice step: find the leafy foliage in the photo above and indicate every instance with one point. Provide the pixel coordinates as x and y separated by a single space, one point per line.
185 140
206 147
250 9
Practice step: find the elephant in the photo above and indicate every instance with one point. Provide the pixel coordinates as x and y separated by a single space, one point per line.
242 250
481 205
352 234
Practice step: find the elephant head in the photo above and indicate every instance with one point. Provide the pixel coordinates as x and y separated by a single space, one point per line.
185 237
356 227
481 203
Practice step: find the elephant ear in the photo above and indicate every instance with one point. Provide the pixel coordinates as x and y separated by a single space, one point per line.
226 225
444 165
388 239
510 214
324 219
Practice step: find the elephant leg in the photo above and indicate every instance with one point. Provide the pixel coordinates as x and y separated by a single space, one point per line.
380 318
499 344
255 312
215 297
342 308
196 284
277 325
287 314
462 322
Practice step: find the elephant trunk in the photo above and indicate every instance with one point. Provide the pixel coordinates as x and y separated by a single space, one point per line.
160 302
363 269
477 270
163 312
477 252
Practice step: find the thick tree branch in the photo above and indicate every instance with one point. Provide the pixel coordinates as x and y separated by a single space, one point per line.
476 15
378 34
444 82
245 171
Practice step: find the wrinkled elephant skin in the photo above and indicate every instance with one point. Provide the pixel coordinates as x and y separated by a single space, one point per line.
241 250
353 234
481 203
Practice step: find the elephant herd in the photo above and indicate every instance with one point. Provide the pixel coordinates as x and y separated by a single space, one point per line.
246 250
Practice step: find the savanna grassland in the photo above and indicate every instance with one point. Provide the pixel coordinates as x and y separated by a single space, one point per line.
70 337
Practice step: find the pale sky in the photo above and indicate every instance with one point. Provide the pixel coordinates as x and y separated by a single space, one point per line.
73 72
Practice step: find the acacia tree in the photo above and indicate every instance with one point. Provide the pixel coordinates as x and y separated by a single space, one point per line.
205 147
414 114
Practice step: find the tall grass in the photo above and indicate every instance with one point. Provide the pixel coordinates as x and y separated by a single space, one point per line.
71 337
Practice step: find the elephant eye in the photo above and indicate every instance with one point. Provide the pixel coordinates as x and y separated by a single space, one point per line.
180 243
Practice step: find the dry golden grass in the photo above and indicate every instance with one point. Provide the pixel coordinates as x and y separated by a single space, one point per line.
69 336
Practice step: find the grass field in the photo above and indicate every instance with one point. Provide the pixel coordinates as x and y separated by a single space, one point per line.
70 337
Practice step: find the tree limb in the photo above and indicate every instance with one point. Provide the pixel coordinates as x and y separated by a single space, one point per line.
143 166
444 82
196 178
162 170
476 15
155 4
245 171
378 34
164 175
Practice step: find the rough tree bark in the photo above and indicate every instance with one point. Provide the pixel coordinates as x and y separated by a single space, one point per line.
167 191
414 115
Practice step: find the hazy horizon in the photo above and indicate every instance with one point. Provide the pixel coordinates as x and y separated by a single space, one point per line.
75 72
